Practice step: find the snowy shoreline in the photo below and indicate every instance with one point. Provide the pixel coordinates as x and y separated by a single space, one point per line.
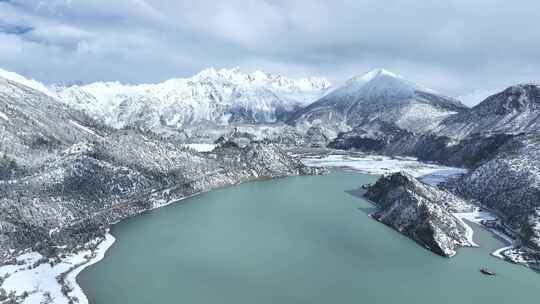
39 280
474 217
477 217
71 277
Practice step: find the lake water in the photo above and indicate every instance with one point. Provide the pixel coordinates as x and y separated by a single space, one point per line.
292 240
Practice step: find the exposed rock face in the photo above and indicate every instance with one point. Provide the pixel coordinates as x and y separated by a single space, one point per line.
531 230
420 211
381 95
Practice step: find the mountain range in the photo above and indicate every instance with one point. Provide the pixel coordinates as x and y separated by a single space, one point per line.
212 98
76 158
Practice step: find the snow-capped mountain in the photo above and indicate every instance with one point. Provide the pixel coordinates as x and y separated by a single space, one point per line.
215 97
379 94
514 110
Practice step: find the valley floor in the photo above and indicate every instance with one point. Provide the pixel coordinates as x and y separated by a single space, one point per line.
378 164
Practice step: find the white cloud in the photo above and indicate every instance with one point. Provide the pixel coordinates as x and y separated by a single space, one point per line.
453 46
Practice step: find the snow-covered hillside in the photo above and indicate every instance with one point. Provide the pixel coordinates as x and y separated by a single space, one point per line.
379 94
514 110
214 97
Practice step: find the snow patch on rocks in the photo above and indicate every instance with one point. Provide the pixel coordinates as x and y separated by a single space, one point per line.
201 147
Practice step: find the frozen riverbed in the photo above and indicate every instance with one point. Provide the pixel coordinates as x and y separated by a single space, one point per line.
377 164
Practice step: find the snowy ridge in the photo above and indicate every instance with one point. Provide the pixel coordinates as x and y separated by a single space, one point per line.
38 86
219 97
514 110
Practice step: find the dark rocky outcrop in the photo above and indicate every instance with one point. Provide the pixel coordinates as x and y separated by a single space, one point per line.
420 211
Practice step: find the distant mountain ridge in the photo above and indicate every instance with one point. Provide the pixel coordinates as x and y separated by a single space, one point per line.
516 109
215 97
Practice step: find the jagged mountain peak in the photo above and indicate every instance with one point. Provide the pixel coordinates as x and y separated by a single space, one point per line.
217 97
238 77
516 98
373 74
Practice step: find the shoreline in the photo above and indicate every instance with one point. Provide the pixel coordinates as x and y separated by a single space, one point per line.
38 280
71 276
103 247
476 217
429 173
49 281
33 279
473 217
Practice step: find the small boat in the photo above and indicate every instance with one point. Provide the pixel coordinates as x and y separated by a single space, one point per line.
487 272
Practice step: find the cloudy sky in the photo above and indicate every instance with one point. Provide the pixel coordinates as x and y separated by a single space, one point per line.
454 46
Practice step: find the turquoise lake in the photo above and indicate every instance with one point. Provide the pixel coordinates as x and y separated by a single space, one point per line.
292 240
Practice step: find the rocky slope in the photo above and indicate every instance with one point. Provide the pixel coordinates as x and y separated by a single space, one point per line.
509 184
421 212
380 95
386 138
514 110
32 124
210 99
